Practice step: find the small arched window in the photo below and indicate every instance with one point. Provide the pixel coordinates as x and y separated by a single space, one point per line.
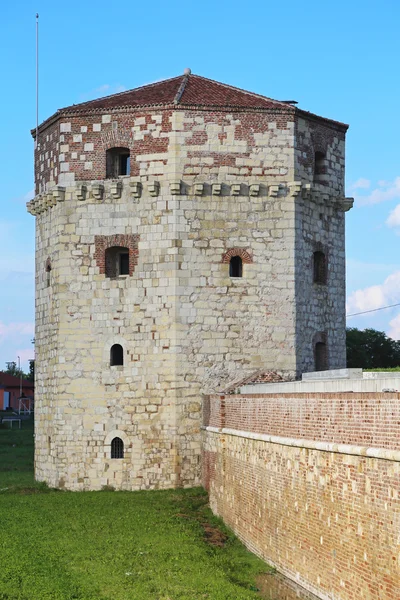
116 261
118 162
321 357
236 267
319 267
117 448
320 167
116 355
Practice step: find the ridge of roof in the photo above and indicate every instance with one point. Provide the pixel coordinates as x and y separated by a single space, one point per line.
284 105
182 86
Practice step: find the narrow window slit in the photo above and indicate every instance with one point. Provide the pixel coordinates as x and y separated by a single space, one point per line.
320 168
321 358
48 275
319 267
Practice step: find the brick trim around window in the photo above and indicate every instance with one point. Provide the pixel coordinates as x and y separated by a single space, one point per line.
103 242
244 255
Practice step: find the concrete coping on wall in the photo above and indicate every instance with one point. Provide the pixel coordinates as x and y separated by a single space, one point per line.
348 374
370 382
381 453
333 374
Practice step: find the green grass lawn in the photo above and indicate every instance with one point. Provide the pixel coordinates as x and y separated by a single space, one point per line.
388 370
162 545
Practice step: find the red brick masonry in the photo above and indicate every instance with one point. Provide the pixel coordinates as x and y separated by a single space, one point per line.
364 419
328 519
103 242
244 255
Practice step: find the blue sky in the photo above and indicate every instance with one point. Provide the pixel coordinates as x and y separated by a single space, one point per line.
338 59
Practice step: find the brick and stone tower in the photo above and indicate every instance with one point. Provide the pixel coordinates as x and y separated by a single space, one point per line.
188 233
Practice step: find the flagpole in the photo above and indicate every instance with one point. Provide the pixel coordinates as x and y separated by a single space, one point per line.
37 78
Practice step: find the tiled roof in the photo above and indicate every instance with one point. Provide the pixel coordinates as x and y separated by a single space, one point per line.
7 380
185 90
162 92
253 379
202 91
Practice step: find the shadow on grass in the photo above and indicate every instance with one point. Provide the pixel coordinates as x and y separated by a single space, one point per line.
238 569
23 490
158 545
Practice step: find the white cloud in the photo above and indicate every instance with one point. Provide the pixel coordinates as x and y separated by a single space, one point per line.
26 354
108 89
361 184
393 219
15 340
360 275
386 190
366 299
394 325
17 252
25 197
15 267
105 89
375 296
156 81
29 195
368 267
13 329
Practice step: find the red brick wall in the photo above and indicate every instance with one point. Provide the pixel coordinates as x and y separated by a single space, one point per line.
364 419
103 242
52 141
151 138
248 125
328 520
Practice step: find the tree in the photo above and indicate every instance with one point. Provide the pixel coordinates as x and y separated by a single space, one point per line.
12 369
31 375
371 349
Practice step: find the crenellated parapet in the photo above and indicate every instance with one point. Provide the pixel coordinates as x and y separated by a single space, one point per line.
100 191
318 194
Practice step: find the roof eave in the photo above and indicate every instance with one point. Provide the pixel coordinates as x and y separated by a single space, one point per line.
338 125
285 109
46 123
170 106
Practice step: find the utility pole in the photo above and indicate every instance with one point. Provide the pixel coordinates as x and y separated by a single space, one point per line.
37 79
20 377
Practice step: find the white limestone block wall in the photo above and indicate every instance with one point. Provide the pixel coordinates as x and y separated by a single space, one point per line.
204 186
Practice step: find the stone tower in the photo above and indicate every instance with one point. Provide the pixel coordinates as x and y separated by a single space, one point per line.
188 233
